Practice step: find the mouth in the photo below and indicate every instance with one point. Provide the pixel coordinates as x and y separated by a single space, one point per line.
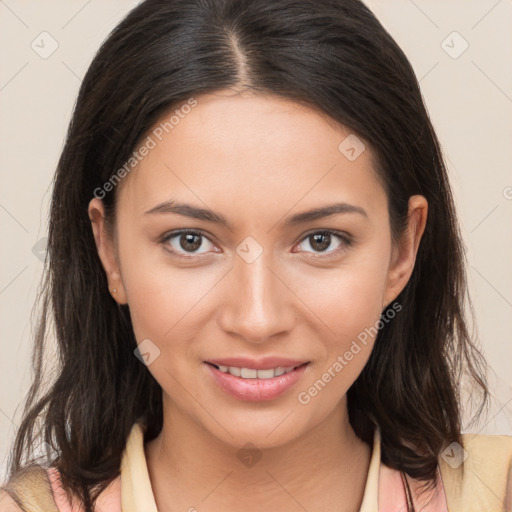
254 385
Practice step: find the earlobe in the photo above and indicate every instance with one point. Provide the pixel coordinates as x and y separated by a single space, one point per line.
106 250
405 252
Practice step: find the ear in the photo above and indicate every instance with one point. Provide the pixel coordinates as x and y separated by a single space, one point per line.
404 253
106 250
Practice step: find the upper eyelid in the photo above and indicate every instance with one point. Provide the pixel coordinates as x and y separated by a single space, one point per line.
172 234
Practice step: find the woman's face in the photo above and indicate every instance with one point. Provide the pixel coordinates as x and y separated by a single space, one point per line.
253 273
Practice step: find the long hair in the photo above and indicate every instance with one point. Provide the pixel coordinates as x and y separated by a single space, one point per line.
331 55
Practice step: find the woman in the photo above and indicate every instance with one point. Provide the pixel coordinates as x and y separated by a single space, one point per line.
256 278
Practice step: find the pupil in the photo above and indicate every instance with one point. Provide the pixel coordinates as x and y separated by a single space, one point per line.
187 242
321 241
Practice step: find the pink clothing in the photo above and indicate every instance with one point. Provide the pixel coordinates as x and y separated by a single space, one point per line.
384 489
392 497
108 501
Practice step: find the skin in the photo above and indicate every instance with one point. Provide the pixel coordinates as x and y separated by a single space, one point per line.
256 160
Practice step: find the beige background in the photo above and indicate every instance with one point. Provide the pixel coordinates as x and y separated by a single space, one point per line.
468 94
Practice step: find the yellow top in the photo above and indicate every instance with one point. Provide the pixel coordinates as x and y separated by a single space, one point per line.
485 485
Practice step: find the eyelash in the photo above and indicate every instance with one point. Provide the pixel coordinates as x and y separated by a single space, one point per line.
346 240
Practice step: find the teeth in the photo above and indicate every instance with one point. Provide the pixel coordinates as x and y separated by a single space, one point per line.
248 373
251 373
265 374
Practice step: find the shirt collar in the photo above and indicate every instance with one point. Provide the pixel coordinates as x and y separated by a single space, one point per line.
137 494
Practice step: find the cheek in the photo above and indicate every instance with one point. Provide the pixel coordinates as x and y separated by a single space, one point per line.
162 298
350 297
347 302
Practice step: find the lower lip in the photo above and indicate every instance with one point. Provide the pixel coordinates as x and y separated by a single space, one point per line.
256 390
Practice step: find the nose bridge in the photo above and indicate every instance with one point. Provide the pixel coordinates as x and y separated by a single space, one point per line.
258 305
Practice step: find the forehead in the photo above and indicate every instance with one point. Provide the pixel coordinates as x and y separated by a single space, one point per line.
255 152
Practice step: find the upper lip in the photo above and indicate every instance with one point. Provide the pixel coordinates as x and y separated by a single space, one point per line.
265 363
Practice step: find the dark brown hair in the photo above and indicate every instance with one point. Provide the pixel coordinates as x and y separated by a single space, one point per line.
332 55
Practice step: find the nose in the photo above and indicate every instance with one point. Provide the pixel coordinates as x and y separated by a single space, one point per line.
258 303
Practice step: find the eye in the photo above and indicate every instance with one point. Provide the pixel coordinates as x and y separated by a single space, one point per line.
320 241
187 244
190 244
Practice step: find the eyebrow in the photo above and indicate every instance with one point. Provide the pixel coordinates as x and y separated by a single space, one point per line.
195 212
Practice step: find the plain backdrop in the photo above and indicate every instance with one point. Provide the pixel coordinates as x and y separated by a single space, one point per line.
461 52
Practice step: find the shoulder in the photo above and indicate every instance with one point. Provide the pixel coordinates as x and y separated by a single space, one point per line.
7 504
479 440
487 453
478 475
38 488
28 489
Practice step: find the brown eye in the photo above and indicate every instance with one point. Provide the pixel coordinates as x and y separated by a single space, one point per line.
187 243
324 242
190 242
320 241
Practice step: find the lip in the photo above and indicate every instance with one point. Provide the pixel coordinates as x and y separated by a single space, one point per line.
255 390
265 363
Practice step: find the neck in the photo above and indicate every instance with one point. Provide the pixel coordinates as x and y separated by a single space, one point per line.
325 469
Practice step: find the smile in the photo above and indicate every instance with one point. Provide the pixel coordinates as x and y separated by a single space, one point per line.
253 385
